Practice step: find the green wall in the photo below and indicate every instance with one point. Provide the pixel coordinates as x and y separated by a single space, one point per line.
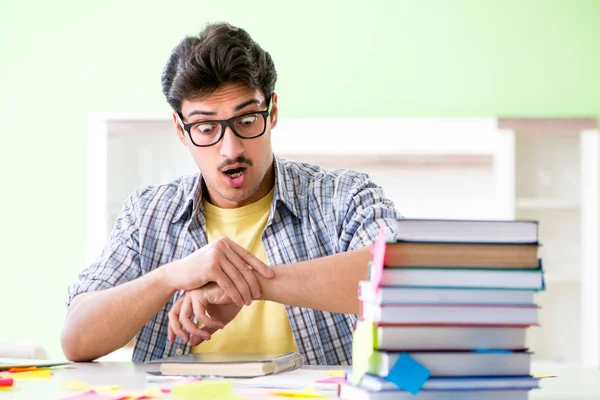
63 59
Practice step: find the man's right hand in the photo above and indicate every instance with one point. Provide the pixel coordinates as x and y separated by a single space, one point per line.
224 262
211 307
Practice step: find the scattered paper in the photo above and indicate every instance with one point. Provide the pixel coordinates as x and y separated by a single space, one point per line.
408 374
306 393
334 380
151 392
338 373
207 389
35 374
84 387
20 369
90 395
363 344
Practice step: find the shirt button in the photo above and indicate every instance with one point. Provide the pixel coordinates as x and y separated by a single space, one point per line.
179 352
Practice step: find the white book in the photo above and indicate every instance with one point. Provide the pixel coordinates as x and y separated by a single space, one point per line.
467 231
450 337
531 279
450 314
350 392
451 363
417 295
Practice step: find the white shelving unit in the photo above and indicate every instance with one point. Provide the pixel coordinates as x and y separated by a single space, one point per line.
556 182
471 168
444 168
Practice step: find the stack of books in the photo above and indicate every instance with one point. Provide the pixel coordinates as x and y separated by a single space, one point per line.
445 312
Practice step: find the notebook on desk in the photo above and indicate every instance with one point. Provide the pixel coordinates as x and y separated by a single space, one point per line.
8 363
230 365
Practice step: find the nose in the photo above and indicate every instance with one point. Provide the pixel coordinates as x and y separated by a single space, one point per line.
231 145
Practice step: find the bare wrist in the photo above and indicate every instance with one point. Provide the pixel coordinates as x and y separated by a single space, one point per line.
164 278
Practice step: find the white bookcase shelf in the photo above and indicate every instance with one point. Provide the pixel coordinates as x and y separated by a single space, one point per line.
542 203
556 170
471 168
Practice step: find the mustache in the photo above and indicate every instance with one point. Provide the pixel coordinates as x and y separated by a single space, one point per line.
237 160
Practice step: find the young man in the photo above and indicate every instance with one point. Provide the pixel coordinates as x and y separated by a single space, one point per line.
272 249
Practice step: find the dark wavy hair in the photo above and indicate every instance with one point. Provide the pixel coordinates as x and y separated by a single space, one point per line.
220 54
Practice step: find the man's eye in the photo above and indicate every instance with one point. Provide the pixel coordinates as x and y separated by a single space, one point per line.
204 129
247 119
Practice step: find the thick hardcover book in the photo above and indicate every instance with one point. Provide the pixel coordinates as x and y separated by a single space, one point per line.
468 231
231 365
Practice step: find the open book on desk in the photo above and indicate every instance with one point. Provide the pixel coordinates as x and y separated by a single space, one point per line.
230 365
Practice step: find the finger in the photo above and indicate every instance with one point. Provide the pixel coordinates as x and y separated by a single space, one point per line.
200 310
185 317
250 259
174 326
196 340
248 274
228 287
238 279
205 319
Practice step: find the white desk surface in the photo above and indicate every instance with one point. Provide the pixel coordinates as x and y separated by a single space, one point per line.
571 383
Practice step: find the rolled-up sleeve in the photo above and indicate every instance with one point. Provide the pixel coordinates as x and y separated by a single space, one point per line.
119 261
367 210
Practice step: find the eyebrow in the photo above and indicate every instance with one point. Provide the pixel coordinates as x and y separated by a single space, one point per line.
237 108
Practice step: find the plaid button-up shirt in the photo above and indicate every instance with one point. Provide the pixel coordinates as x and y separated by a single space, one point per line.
315 213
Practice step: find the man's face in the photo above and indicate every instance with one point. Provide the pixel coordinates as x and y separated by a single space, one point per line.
237 171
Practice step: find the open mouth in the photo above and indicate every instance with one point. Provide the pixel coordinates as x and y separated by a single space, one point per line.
235 172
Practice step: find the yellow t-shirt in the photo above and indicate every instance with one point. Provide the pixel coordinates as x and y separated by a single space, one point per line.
263 326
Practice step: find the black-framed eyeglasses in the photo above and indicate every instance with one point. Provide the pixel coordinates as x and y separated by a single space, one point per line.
246 126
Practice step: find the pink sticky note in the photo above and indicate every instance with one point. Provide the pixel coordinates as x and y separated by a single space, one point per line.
90 395
378 254
334 379
5 382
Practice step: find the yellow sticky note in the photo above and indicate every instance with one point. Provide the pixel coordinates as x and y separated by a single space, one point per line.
36 374
363 343
543 376
306 393
337 373
84 387
217 390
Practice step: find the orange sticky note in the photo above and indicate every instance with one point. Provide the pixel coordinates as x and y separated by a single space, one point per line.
18 369
35 374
